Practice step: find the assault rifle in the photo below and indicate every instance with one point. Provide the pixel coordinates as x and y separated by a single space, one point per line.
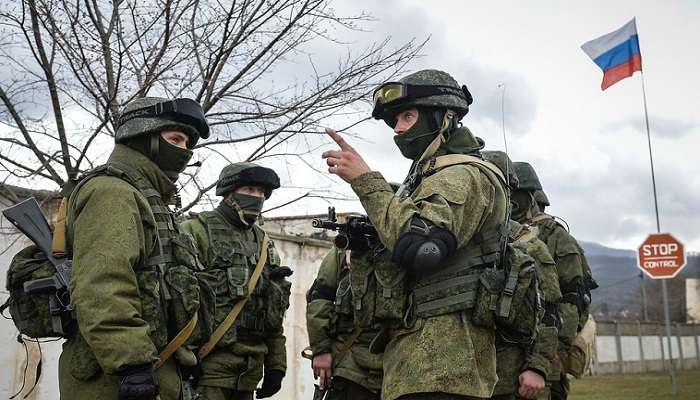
356 233
29 219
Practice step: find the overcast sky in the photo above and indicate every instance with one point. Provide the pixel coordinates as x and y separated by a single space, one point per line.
588 146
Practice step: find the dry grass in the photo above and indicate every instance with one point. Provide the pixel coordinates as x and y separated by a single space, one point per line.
654 386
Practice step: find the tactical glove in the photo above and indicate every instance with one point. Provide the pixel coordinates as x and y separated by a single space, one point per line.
280 272
272 383
138 382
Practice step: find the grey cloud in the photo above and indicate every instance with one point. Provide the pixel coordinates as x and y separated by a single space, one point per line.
618 206
658 125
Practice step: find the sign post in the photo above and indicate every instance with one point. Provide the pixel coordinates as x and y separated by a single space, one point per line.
661 256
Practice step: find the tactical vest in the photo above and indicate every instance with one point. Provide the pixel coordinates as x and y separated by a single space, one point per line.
577 292
455 286
171 294
371 292
233 254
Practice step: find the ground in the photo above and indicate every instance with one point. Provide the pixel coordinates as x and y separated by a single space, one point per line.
636 387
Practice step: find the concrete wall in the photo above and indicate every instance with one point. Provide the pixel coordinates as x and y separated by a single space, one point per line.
635 347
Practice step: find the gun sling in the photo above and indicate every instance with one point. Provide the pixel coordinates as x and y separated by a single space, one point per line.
233 314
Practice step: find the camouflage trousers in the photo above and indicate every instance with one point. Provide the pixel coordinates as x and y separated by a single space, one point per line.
344 389
220 393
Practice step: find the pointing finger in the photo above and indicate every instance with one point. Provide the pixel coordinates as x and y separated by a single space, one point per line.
339 140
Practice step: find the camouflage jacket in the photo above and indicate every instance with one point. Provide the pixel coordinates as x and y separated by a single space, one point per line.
446 353
330 322
112 231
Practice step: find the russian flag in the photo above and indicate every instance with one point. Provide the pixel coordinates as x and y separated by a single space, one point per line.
616 53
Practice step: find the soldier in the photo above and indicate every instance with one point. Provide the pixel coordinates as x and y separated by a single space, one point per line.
523 367
232 246
442 229
123 242
340 348
571 268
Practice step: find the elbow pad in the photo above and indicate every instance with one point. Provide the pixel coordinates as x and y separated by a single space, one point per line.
424 246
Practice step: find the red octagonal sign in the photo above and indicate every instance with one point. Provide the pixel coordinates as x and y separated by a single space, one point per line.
661 256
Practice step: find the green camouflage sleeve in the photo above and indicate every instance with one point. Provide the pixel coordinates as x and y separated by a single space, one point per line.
457 198
278 303
570 271
320 311
196 229
108 240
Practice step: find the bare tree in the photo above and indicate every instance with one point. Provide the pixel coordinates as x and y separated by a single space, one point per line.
68 66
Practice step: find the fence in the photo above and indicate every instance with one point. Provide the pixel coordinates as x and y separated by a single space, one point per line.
634 347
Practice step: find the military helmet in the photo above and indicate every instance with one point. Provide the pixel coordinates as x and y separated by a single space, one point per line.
146 115
504 163
426 88
527 176
541 198
240 174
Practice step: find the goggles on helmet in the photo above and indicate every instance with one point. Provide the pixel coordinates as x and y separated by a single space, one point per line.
186 111
395 92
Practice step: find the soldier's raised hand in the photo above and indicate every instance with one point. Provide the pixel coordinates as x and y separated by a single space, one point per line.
346 162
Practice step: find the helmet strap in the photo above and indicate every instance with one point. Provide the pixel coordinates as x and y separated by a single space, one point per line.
448 121
155 146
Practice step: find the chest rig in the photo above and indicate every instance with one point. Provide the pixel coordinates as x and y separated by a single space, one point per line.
172 296
233 254
456 285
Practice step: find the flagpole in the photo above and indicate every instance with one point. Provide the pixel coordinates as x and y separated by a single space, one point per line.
664 288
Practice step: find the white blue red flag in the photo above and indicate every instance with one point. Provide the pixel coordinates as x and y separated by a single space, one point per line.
616 53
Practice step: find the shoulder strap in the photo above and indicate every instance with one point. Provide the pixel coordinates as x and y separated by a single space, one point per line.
233 314
541 217
454 159
347 345
177 342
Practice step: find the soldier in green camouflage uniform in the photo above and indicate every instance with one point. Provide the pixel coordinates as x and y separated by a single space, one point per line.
443 229
571 268
122 238
517 362
355 372
229 242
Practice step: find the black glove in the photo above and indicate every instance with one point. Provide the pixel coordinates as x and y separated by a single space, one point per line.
280 272
192 374
272 383
138 382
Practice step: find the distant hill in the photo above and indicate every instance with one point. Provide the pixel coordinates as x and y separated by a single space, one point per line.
619 294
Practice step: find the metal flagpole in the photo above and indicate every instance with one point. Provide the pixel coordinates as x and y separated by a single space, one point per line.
664 287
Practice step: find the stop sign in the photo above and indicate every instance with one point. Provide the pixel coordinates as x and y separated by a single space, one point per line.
661 256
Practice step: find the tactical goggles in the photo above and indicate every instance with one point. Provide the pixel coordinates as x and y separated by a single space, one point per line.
186 111
393 92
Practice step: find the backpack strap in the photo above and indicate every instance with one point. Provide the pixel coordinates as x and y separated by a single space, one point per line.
454 159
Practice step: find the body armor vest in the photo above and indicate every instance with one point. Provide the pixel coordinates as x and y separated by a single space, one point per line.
171 293
455 286
371 292
233 254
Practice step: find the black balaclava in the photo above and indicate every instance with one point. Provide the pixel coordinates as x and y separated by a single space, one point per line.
522 201
171 159
241 209
416 139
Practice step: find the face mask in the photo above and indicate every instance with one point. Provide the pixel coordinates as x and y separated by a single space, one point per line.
416 139
172 159
247 208
522 202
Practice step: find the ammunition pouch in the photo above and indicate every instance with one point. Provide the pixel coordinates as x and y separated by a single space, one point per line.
390 292
42 313
278 292
510 303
